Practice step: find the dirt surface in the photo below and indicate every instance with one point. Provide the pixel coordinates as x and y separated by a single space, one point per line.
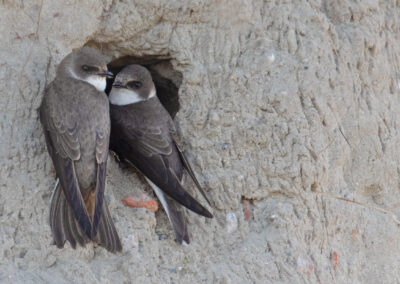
285 106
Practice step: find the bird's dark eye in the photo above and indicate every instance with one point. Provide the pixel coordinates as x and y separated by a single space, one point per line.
134 84
89 68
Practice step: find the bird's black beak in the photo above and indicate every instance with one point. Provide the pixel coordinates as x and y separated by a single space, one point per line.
106 73
117 84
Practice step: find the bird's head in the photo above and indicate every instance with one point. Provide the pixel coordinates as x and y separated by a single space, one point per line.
88 65
133 84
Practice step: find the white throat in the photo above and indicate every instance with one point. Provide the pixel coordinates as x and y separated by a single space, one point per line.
122 96
99 82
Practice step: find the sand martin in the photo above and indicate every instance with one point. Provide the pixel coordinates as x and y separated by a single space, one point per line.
143 133
75 118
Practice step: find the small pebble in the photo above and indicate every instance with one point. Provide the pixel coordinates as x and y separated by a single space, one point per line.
231 222
271 58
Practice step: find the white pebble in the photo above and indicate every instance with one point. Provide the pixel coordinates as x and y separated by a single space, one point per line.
271 58
231 222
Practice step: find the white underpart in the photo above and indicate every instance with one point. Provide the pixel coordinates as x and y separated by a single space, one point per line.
99 82
153 93
122 96
160 196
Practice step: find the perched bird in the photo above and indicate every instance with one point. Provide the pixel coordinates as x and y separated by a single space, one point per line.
75 118
143 133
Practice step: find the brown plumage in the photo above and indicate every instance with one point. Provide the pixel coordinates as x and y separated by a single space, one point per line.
144 134
76 123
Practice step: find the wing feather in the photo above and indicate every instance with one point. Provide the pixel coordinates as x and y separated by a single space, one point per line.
186 164
147 145
147 150
149 141
62 138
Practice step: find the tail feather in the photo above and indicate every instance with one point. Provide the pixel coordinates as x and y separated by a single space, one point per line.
178 220
65 227
63 223
175 213
107 234
77 235
56 217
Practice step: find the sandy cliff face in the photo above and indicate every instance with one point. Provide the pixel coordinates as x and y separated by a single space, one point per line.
283 106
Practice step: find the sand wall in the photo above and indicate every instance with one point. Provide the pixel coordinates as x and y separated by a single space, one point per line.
284 105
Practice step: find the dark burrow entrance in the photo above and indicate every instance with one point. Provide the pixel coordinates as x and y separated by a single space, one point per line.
166 79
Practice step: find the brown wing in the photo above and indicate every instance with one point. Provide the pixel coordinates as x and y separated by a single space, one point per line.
149 151
61 129
102 144
150 141
185 161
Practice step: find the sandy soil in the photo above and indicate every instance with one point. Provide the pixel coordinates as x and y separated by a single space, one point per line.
286 106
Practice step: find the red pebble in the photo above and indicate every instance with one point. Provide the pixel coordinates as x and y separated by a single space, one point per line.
142 202
246 210
334 259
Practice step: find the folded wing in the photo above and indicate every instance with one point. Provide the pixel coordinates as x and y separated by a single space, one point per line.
148 150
